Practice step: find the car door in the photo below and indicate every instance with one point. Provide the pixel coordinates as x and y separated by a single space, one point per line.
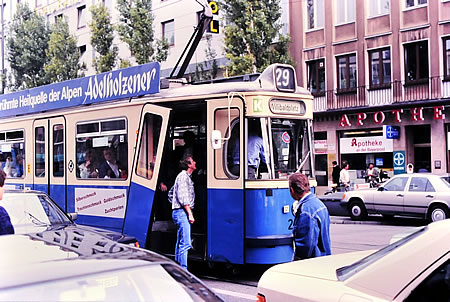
419 195
389 198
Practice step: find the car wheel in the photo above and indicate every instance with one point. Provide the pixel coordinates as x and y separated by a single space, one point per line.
357 210
438 212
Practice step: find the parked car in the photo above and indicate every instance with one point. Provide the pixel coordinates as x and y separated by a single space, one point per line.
421 195
414 268
34 211
69 265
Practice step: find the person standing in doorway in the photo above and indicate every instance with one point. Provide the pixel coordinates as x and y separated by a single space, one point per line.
312 220
344 176
182 196
6 226
335 173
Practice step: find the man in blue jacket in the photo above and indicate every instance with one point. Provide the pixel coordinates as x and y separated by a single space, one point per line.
5 222
312 221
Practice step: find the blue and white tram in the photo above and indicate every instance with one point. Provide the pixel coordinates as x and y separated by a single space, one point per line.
106 152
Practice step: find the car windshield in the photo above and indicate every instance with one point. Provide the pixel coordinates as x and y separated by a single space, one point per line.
28 211
165 282
346 272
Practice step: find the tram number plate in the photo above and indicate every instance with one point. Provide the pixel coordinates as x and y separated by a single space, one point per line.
285 78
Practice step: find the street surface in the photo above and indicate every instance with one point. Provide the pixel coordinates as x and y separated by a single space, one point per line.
346 236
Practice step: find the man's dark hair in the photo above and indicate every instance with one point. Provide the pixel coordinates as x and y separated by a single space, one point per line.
299 183
185 162
2 178
334 162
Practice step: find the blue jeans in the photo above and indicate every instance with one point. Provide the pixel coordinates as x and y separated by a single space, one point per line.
183 244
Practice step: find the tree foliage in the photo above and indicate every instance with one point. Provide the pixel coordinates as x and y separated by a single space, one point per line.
253 38
136 29
63 54
26 46
102 36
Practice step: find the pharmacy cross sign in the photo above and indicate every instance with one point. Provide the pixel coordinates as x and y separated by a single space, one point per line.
392 132
399 159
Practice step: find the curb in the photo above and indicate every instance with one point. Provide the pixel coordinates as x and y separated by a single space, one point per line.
348 220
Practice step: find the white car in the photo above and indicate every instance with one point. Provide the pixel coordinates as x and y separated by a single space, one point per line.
415 268
422 195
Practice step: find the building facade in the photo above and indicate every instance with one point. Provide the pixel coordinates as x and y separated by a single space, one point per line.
379 71
173 19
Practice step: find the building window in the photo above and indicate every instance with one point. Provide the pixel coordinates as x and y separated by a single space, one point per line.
316 77
378 7
412 3
446 44
380 68
345 11
416 62
315 11
81 16
168 32
346 73
58 18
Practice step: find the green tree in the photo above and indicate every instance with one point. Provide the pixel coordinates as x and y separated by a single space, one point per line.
26 45
253 38
102 39
63 54
136 29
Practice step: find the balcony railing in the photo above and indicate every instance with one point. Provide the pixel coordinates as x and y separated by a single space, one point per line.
433 88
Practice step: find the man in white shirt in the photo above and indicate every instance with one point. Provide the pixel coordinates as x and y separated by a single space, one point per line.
344 176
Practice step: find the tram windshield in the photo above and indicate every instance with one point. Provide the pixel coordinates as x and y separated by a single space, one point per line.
290 147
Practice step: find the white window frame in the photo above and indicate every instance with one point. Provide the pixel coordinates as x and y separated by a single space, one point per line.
316 13
379 5
165 32
346 17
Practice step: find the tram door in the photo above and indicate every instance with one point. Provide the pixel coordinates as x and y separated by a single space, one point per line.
144 177
226 208
50 175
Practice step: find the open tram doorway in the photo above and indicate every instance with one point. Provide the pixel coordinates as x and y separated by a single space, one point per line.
186 134
419 147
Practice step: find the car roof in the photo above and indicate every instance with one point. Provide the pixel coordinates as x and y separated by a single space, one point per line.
405 262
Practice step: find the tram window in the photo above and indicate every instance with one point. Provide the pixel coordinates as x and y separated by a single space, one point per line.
58 150
291 147
150 132
232 148
39 152
222 156
12 153
102 149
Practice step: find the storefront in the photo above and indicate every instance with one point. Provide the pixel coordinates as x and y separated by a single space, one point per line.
390 139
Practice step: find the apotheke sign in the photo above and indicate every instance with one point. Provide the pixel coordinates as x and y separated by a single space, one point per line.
369 144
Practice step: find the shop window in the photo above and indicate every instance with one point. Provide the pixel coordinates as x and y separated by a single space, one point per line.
316 77
12 153
58 150
168 32
315 11
102 149
378 7
346 73
39 149
416 62
446 45
151 131
345 11
380 68
413 3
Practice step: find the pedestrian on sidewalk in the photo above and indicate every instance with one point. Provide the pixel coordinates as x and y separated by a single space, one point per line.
312 221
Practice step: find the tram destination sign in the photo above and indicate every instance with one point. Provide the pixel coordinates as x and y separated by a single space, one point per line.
108 86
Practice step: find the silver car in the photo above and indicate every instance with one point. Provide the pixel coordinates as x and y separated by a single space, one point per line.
420 195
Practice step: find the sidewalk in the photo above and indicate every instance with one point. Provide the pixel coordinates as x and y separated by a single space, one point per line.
348 220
